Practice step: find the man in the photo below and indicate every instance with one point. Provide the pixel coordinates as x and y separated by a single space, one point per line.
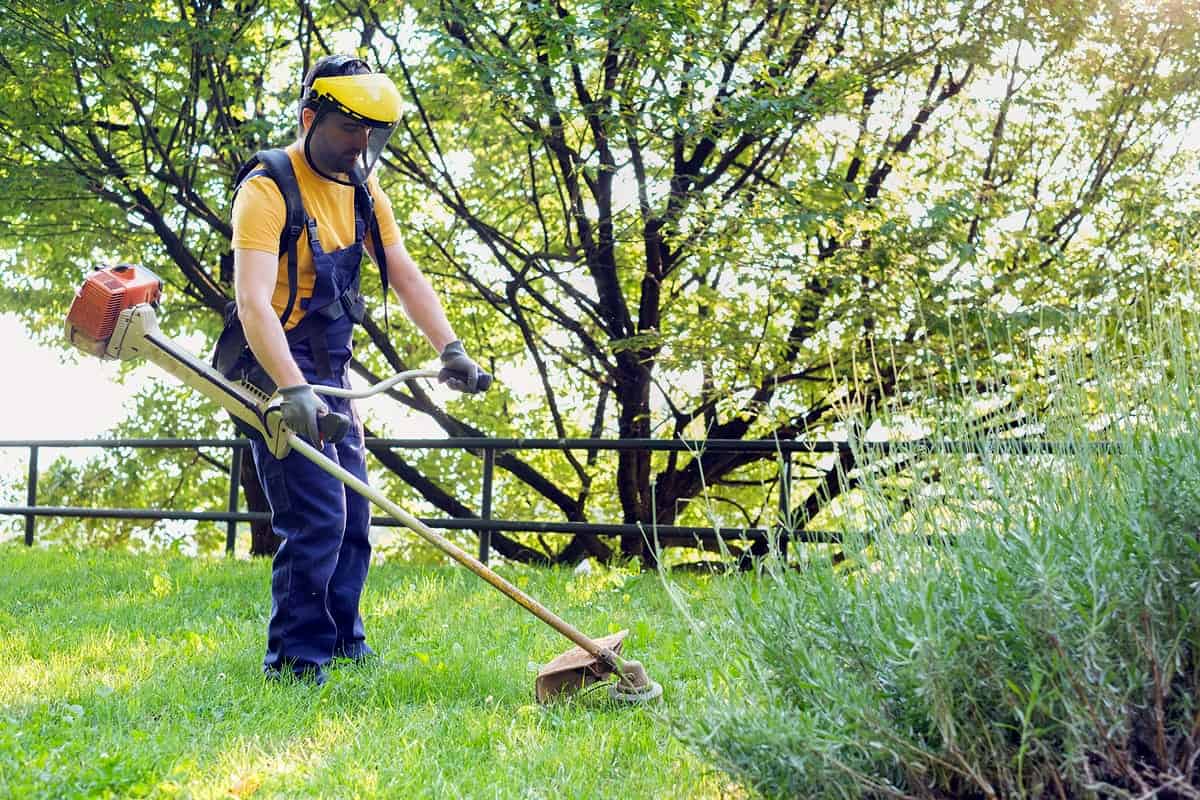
300 335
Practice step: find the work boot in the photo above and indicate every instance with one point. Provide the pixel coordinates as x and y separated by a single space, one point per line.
357 654
312 675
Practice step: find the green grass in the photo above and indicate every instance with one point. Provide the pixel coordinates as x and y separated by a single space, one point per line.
139 676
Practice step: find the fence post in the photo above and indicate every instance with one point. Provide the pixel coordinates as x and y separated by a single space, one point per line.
785 506
235 483
31 494
485 506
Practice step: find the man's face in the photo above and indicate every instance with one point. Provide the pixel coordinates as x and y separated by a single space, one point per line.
337 142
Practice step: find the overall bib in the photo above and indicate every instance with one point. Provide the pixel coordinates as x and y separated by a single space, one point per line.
320 568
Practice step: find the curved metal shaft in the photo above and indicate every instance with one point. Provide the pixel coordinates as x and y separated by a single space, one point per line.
374 389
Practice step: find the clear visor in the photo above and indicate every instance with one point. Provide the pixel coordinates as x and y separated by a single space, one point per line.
369 100
339 158
377 140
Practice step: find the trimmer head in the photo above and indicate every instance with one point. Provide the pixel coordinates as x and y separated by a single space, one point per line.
577 669
634 685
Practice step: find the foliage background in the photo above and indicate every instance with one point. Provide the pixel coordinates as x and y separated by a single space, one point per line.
727 219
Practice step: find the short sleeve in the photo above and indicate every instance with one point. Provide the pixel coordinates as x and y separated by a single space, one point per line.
389 231
258 215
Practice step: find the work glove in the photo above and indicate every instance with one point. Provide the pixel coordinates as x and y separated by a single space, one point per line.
300 408
460 373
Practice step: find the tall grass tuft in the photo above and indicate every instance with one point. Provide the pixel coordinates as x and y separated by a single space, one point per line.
1012 624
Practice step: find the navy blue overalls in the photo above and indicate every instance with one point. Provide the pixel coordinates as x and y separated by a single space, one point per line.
319 569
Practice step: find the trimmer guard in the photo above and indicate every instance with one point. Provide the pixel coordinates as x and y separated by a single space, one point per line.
575 669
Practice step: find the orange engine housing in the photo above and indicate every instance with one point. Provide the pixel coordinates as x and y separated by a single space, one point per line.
104 295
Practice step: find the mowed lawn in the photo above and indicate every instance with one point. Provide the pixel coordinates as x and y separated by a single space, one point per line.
139 676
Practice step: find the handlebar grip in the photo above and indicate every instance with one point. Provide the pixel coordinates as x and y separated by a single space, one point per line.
483 381
333 427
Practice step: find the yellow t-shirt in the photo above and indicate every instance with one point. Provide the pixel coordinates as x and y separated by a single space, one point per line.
259 214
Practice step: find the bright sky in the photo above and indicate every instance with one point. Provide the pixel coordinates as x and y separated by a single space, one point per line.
52 399
58 395
49 399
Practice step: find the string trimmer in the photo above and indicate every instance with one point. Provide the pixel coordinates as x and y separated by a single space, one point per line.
113 317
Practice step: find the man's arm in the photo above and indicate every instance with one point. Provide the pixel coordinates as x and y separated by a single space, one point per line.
254 274
417 296
459 371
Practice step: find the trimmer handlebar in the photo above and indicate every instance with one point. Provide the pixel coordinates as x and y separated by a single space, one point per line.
485 380
382 386
334 427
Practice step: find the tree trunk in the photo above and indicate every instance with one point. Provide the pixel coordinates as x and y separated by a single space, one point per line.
263 541
633 466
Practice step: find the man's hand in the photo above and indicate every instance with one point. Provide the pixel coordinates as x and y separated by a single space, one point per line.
300 409
460 373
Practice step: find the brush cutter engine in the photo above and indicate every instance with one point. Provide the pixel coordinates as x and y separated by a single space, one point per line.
99 302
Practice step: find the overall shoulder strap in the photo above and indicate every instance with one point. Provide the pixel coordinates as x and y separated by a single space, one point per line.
244 172
365 205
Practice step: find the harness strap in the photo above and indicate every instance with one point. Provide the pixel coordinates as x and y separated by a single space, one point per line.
276 165
366 207
279 167
312 328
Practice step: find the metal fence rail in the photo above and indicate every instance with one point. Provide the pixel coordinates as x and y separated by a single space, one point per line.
485 525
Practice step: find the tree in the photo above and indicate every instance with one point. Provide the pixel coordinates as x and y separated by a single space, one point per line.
687 219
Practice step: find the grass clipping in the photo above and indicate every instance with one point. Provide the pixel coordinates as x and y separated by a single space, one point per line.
1016 625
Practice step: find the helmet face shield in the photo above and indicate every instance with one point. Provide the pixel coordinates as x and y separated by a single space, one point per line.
377 140
369 100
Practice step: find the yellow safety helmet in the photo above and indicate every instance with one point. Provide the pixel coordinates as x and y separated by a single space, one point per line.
371 99
345 85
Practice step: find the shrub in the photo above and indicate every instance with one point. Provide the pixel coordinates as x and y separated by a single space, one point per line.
1028 626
